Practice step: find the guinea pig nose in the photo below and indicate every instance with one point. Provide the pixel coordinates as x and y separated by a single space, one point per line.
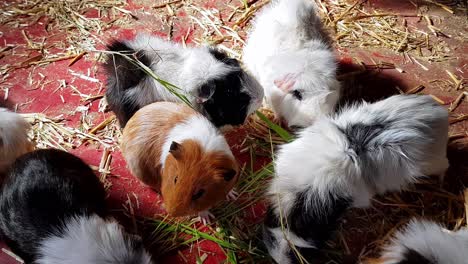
283 122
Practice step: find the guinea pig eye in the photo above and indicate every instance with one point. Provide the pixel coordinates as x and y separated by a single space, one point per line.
198 194
297 94
206 91
175 179
229 175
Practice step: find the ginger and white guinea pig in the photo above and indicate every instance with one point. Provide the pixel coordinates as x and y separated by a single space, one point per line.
180 153
426 242
291 55
51 209
343 161
215 84
13 138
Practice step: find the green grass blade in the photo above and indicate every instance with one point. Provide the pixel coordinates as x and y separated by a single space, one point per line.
176 91
278 130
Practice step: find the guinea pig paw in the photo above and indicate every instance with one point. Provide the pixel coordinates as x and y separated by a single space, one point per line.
232 195
205 217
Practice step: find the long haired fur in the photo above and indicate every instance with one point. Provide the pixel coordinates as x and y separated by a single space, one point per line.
366 149
215 84
426 242
91 239
50 209
13 138
291 55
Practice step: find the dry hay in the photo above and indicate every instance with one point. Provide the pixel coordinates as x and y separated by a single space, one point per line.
356 27
70 18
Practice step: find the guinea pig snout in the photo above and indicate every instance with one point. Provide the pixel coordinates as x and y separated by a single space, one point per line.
282 121
172 210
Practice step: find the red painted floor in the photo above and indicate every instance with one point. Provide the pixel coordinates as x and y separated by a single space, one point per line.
53 88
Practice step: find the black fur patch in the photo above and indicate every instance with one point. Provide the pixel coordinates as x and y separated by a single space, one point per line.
271 221
316 226
42 190
228 105
359 135
121 76
413 257
224 58
306 253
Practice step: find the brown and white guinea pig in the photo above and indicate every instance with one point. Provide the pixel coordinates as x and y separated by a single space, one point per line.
180 153
426 242
52 210
214 83
13 138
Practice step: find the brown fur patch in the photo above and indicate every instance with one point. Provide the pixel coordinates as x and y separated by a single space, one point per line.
196 170
144 136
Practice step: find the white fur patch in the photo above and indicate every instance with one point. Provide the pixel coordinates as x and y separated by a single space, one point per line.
283 240
91 240
186 68
13 137
412 144
200 129
316 160
431 241
287 39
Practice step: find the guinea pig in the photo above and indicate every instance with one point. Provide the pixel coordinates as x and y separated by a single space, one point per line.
177 151
425 242
51 212
214 83
343 161
13 138
290 54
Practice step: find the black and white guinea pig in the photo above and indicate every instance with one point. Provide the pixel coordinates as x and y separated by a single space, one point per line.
343 161
426 242
13 138
215 84
291 55
51 209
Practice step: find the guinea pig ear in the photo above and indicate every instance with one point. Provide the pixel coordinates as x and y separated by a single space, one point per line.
223 57
176 150
229 175
205 92
286 82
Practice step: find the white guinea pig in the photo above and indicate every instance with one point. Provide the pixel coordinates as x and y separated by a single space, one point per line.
214 83
291 56
13 138
344 161
51 209
425 242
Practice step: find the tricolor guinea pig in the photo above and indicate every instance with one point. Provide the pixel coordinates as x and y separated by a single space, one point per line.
343 161
426 242
291 55
52 211
178 152
13 138
215 84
